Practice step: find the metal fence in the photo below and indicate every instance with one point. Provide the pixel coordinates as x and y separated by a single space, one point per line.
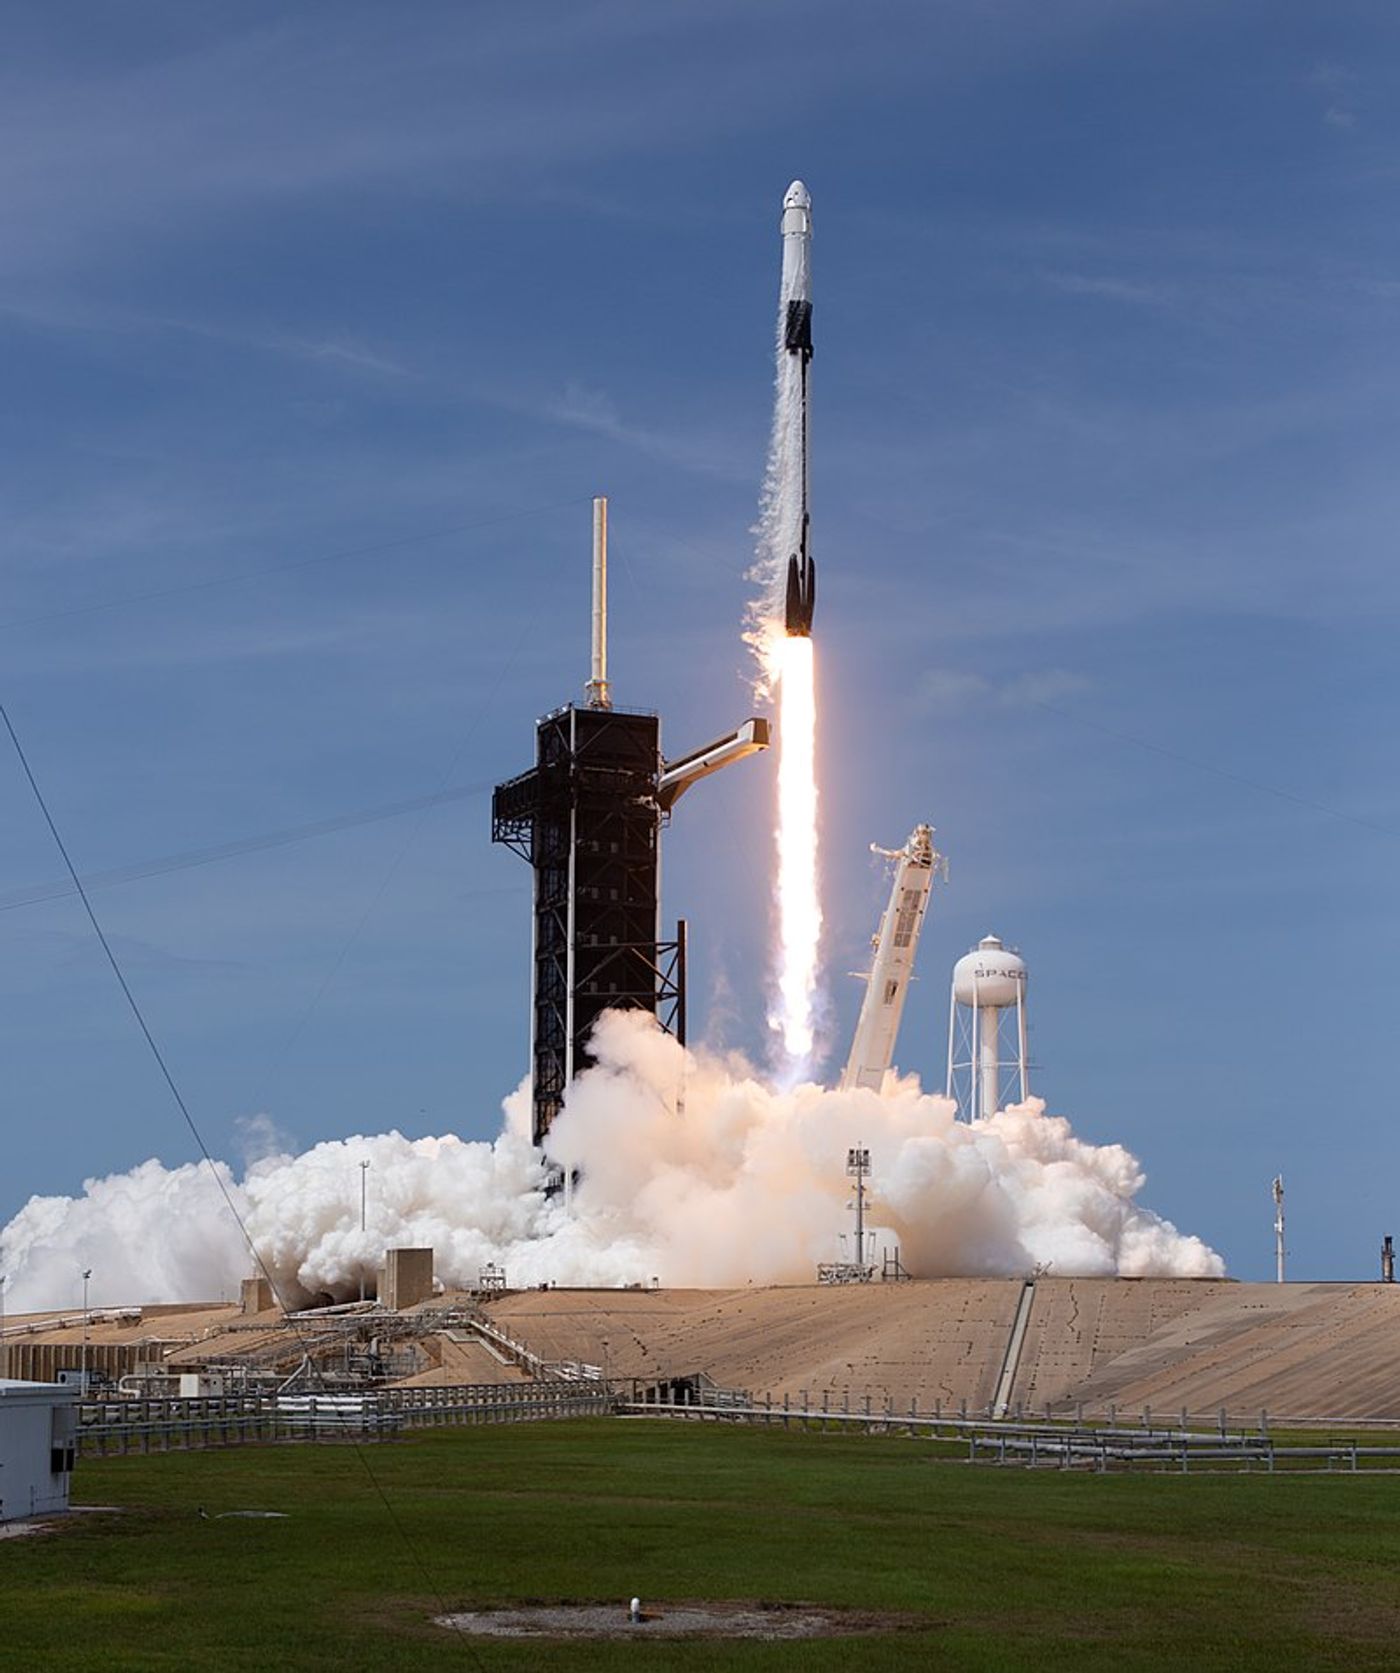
1064 1444
117 1427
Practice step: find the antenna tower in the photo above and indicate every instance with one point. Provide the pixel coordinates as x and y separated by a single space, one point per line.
858 1167
858 1271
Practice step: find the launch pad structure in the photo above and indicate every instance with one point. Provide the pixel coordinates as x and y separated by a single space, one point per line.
587 818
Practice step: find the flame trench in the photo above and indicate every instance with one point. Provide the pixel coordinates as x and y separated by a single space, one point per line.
799 900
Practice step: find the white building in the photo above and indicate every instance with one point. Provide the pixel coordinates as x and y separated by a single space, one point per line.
38 1424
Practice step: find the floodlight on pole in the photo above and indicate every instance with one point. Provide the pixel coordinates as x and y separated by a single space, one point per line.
1280 1251
87 1320
364 1176
858 1167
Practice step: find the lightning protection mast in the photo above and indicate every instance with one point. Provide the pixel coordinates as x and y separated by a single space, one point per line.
1280 1252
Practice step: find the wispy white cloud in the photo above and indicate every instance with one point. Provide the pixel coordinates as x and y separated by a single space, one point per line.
260 1138
951 690
48 310
1338 88
596 412
1148 293
118 158
335 352
347 354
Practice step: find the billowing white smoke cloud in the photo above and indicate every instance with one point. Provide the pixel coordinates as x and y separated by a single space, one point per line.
691 1170
153 1234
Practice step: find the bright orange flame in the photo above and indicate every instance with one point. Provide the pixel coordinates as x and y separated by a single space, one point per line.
799 903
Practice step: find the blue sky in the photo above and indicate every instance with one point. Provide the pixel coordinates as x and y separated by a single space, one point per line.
321 327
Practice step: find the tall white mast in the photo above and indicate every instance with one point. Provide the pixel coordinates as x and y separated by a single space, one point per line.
858 1167
597 691
1279 1250
892 960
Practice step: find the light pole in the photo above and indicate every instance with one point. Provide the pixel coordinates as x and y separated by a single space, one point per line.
858 1166
87 1319
1279 1251
4 1343
364 1176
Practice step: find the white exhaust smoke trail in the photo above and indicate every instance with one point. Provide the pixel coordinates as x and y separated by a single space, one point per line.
748 1187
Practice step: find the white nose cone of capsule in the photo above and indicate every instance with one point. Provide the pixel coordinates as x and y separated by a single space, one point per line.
797 242
990 974
797 209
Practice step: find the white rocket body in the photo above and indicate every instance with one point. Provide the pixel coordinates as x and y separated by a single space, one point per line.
794 358
797 244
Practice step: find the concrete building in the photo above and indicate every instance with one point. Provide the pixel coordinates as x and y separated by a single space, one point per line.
255 1296
407 1278
38 1423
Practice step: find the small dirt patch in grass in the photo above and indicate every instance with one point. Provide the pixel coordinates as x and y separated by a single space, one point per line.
672 1620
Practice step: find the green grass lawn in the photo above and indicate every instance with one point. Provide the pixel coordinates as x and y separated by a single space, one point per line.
997 1569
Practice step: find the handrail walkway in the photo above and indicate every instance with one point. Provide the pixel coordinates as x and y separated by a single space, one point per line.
107 1427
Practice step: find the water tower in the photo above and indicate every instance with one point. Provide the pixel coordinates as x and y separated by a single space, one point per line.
987 1030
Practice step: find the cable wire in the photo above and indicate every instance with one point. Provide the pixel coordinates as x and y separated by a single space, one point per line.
426 805
204 1150
36 893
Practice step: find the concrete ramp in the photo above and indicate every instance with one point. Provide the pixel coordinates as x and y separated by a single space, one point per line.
462 1360
930 1340
1298 1351
1006 1379
1080 1325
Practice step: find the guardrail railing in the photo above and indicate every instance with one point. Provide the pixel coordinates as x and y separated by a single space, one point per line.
107 1427
1049 1444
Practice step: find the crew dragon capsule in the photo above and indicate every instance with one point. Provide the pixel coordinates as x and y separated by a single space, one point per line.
796 295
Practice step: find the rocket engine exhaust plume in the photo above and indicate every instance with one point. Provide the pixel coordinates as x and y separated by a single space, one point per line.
799 898
779 632
748 1187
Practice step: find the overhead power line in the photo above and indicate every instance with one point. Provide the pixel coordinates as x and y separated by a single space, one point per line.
59 889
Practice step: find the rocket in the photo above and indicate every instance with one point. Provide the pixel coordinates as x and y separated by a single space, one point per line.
796 294
801 591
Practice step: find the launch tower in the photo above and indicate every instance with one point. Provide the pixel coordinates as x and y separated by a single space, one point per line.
587 817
